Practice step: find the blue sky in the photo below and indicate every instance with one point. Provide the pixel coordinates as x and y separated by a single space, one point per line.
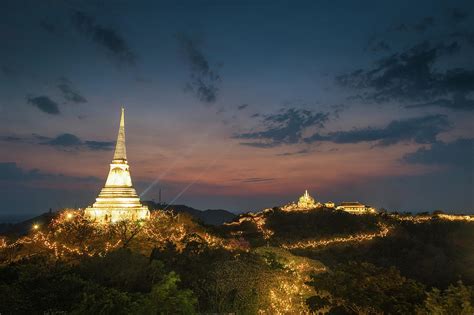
239 104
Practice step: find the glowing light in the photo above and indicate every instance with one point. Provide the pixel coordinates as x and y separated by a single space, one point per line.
425 218
356 207
361 237
306 202
61 239
288 295
452 217
259 220
203 172
118 200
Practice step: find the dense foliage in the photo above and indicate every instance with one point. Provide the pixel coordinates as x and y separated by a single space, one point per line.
171 264
121 283
365 288
456 299
437 253
294 226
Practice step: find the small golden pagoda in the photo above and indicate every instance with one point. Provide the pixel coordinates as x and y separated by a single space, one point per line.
118 200
306 202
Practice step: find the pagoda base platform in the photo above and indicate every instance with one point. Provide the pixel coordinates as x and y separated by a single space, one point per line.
112 215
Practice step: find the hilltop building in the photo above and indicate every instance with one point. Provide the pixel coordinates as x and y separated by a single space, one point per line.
355 208
306 202
330 204
118 200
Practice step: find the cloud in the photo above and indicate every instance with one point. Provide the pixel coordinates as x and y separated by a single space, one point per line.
99 145
402 27
285 127
337 109
11 172
412 76
243 106
261 145
424 24
69 93
67 140
45 104
457 15
458 153
10 139
204 80
379 46
48 26
38 137
300 152
467 36
458 102
420 26
419 130
257 179
8 71
107 38
62 141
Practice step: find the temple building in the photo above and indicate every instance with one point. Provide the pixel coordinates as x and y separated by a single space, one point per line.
306 202
118 200
330 204
355 207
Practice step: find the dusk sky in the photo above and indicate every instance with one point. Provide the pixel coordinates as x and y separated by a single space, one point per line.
240 105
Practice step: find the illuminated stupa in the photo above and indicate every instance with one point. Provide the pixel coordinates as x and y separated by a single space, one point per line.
306 202
118 200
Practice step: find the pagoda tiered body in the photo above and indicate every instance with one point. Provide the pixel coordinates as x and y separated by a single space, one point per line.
118 200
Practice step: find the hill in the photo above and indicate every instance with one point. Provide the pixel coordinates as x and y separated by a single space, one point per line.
209 216
23 227
269 262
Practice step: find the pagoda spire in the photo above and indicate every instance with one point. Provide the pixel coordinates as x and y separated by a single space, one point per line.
120 151
118 200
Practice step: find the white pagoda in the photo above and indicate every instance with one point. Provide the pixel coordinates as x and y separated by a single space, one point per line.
118 200
306 202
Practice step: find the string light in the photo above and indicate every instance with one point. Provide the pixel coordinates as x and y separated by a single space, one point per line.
425 218
71 235
362 237
259 219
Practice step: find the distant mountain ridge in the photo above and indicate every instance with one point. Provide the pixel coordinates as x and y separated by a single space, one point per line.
23 227
209 216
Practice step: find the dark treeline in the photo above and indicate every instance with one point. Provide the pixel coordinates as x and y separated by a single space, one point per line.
436 253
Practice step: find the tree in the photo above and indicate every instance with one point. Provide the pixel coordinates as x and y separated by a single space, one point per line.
98 299
456 299
365 288
166 298
120 283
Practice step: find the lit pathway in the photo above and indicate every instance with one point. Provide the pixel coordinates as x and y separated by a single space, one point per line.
361 237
